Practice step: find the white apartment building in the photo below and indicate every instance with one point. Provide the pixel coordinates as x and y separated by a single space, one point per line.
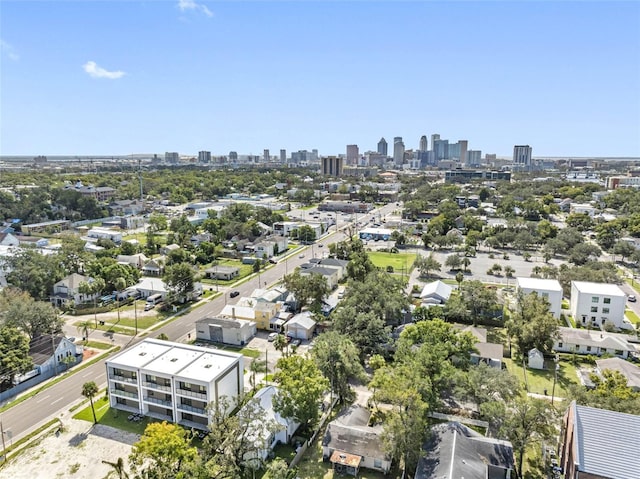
173 381
548 289
598 304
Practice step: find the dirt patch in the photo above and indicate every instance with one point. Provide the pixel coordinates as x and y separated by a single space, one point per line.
88 353
75 453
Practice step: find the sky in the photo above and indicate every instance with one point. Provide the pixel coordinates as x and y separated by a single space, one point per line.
120 77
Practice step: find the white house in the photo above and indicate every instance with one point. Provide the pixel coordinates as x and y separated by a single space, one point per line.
174 381
264 249
105 233
237 332
332 275
135 260
66 291
583 208
585 341
548 289
285 428
7 239
598 305
535 359
301 326
151 286
435 292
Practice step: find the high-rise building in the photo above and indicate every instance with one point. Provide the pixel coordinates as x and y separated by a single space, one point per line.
522 155
398 151
424 145
171 157
233 156
440 149
382 146
353 153
434 137
266 157
283 156
462 153
474 157
332 166
204 157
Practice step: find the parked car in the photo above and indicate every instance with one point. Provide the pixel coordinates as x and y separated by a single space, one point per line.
631 298
149 306
301 255
234 293
296 342
272 337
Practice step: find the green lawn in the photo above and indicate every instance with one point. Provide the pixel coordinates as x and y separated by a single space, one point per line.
633 317
397 260
98 345
111 417
539 380
248 352
109 327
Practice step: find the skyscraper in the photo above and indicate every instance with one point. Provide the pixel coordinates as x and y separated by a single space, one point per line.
171 157
332 166
265 155
522 156
398 151
283 156
382 146
462 154
204 157
440 149
424 145
353 153
434 137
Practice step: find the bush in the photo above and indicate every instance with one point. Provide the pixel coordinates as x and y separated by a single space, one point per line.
389 269
505 256
492 256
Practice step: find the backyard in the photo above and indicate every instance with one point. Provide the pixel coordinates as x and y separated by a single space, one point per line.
541 380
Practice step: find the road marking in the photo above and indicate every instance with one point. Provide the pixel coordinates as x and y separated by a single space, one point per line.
59 399
42 399
88 374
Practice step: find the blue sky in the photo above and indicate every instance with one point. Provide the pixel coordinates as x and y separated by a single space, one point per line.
108 77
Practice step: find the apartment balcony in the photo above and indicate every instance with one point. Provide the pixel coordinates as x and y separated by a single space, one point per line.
123 379
122 393
156 386
159 415
161 402
192 409
193 424
191 394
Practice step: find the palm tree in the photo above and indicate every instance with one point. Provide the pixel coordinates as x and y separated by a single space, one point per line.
90 390
465 263
83 328
118 469
280 343
459 278
120 284
256 366
93 287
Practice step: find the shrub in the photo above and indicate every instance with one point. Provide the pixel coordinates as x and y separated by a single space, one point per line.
389 269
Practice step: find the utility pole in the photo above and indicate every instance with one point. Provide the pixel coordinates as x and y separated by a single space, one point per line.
4 448
135 314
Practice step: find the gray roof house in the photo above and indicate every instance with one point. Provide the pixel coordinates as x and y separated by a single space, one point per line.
627 369
350 443
435 292
454 451
586 341
599 444
225 273
489 353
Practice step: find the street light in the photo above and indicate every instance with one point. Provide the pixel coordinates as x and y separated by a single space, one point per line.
555 377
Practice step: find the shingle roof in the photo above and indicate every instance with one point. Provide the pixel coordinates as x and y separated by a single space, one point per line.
598 339
607 442
628 370
43 347
350 433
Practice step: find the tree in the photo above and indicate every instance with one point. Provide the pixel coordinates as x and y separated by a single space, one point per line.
179 279
307 289
162 450
532 325
118 469
280 343
83 328
508 271
583 253
359 266
306 234
483 383
14 355
279 469
454 262
256 366
459 278
34 318
338 359
427 264
92 288
301 386
34 272
90 390
624 249
479 300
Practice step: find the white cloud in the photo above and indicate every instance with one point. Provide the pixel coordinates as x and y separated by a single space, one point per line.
95 71
8 50
185 5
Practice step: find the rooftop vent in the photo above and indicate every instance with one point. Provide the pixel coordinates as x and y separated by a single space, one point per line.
207 366
173 360
143 353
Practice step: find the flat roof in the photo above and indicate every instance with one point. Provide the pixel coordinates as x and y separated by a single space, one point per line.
173 360
598 288
539 283
140 354
209 365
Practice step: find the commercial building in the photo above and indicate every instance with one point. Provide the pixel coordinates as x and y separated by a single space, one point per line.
353 154
283 156
204 157
332 166
460 175
174 381
172 157
398 151
266 157
424 144
522 156
382 147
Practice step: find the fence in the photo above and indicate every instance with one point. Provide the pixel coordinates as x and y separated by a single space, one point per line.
303 448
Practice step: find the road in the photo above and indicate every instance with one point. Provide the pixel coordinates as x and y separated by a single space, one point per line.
37 410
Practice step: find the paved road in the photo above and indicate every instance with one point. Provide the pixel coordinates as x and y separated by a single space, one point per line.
37 410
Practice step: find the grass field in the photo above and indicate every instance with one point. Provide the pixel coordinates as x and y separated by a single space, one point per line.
397 260
98 345
539 380
111 417
633 317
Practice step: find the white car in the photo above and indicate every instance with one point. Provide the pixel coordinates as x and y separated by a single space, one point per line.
272 337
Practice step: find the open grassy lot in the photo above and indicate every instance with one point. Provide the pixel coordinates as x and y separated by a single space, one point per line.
539 380
397 260
108 326
112 417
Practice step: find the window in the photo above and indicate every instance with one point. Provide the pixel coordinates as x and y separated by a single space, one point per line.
605 310
559 345
595 299
588 349
593 319
594 309
151 379
377 463
186 402
618 352
121 401
545 295
607 301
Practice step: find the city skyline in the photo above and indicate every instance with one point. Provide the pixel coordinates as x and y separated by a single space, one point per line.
132 77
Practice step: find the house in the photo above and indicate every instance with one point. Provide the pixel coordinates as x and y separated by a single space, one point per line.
548 289
583 208
138 261
330 274
283 428
630 371
197 240
598 305
53 353
599 444
264 249
150 286
224 273
488 353
535 359
263 311
237 332
349 443
340 265
105 233
273 295
154 267
7 239
174 381
455 451
165 250
585 341
435 292
66 291
32 241
301 326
